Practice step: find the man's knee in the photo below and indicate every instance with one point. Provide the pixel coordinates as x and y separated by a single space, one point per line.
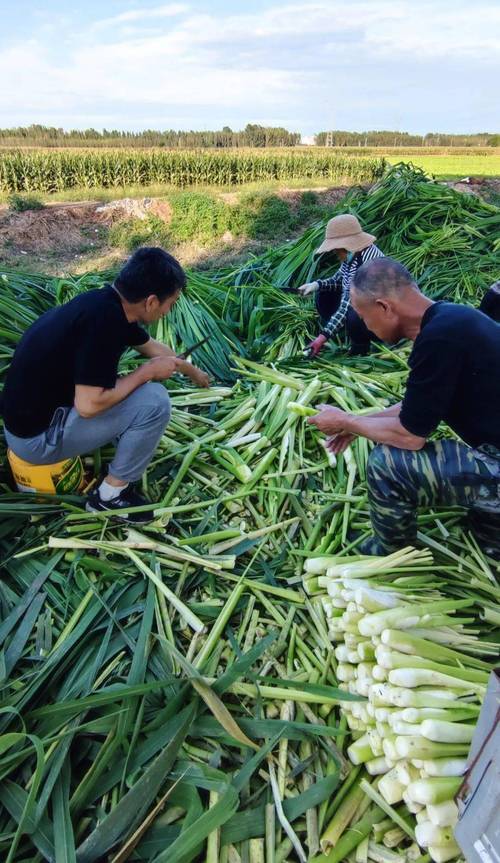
378 462
152 402
390 471
160 400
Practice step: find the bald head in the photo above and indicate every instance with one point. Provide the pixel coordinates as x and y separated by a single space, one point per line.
382 278
387 299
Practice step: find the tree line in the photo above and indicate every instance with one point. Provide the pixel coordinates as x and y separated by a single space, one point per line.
339 138
253 135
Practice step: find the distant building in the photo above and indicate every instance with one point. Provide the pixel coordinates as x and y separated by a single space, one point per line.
308 140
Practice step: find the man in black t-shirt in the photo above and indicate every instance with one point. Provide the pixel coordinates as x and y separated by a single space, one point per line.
63 397
454 377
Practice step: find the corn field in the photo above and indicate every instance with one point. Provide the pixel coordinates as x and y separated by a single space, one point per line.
47 171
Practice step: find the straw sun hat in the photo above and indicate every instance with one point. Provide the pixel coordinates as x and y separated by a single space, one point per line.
344 232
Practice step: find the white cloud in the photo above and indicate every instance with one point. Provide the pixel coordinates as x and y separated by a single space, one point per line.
280 64
138 15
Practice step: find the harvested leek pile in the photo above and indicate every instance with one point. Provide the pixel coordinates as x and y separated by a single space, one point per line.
173 694
423 673
223 685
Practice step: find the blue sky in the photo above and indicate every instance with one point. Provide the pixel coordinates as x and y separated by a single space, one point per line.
308 65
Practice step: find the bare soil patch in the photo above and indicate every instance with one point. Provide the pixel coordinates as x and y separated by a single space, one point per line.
50 240
481 187
35 231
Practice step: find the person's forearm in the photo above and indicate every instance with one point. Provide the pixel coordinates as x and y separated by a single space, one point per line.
392 411
154 348
186 368
338 318
385 429
331 281
124 386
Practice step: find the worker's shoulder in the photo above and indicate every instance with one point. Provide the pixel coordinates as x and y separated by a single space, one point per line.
98 304
370 253
457 320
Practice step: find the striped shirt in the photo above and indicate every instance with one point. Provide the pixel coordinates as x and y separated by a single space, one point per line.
343 278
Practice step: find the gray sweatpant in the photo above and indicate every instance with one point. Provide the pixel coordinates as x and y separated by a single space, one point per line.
136 424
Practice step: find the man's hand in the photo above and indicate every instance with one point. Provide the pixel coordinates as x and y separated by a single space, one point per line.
161 368
315 346
308 288
331 421
338 443
199 377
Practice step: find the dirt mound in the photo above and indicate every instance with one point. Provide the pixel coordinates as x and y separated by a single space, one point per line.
131 208
61 227
69 230
481 187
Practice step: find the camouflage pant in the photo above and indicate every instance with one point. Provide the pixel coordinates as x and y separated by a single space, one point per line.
442 473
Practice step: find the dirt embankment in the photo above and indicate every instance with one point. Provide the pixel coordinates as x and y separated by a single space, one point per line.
61 236
71 238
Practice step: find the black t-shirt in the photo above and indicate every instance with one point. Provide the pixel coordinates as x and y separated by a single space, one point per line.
78 343
455 375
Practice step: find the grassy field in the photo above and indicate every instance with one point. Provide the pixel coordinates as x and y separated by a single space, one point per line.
81 194
454 167
197 225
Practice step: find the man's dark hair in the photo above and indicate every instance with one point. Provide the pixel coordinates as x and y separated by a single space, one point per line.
382 277
150 270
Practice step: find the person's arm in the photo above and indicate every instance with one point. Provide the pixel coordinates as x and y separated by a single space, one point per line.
382 427
338 318
490 304
435 363
153 348
386 430
339 442
91 401
391 411
331 281
321 284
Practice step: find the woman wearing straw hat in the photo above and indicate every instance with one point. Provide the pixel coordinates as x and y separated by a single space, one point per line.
353 247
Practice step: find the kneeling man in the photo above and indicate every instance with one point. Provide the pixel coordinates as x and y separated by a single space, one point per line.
63 397
454 377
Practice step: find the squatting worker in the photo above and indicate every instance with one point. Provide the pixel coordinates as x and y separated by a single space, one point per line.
353 247
454 377
63 397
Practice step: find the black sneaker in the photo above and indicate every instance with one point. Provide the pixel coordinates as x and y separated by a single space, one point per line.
125 500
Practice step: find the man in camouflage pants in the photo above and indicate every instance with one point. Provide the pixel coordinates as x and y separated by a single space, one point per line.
454 377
